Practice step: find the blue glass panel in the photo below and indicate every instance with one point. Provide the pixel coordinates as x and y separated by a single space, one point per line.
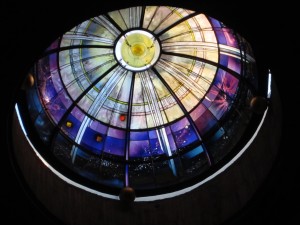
214 22
185 136
114 146
194 162
71 131
155 147
152 134
89 141
44 127
113 182
82 154
219 134
220 36
34 104
137 136
172 143
223 59
193 153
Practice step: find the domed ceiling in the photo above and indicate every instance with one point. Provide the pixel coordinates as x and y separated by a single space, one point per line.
152 97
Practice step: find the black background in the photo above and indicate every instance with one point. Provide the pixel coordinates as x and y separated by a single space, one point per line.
270 27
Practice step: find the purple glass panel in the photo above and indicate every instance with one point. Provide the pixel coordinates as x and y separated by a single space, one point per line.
219 78
198 111
220 105
54 45
168 130
205 122
230 37
226 82
210 96
139 149
57 83
53 62
180 124
56 108
99 127
48 90
78 114
116 133
64 98
234 64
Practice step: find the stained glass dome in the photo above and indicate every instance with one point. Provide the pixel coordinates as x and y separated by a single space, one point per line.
152 97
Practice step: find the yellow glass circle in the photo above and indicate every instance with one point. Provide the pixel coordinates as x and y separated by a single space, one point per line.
138 50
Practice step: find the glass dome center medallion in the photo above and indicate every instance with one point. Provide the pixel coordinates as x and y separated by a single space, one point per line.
137 50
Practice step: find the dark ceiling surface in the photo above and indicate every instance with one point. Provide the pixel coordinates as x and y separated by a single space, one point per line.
28 28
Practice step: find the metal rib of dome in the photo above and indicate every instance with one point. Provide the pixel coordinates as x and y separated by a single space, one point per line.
146 97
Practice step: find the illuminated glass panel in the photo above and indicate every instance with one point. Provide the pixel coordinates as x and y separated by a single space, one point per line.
146 96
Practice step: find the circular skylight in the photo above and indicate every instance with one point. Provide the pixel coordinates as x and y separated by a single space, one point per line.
137 50
148 97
